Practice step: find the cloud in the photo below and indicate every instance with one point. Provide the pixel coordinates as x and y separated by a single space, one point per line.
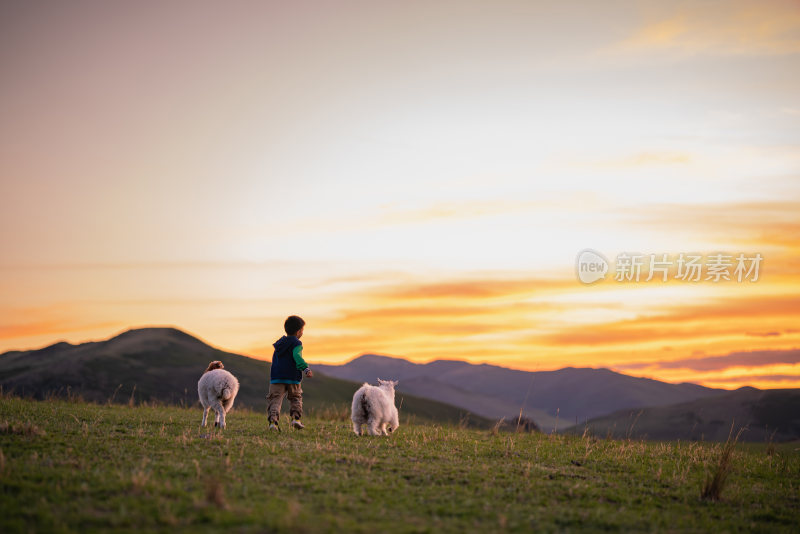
637 160
684 322
153 265
758 358
50 327
330 347
437 326
531 316
32 329
399 215
762 334
769 223
476 288
720 28
458 210
396 313
749 379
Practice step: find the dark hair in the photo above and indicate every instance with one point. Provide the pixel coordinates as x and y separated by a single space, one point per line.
293 324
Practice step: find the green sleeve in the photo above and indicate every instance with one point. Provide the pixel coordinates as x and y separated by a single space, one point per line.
297 353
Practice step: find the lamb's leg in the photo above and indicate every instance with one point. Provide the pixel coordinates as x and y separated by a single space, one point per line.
205 415
372 428
357 428
220 419
383 429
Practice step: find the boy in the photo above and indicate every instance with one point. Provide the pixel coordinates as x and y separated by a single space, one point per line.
288 368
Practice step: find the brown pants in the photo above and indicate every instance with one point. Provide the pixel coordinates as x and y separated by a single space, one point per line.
275 399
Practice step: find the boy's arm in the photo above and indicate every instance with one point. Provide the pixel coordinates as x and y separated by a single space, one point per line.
297 354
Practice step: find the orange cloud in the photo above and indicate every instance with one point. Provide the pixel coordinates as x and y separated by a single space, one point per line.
750 379
719 28
637 160
730 308
722 317
756 358
45 328
460 210
412 312
762 334
341 348
761 223
482 288
32 329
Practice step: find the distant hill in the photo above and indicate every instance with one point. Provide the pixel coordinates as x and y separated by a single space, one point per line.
570 394
766 414
164 365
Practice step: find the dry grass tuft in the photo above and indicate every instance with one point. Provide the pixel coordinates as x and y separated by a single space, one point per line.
771 444
215 493
140 477
716 480
292 510
132 399
110 400
496 428
629 433
463 420
139 480
525 424
21 429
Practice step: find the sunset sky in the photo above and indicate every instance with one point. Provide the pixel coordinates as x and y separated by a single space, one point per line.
415 179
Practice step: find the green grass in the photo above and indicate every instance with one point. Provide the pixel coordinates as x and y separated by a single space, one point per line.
77 467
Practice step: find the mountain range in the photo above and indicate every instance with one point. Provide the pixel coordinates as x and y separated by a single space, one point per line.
553 399
764 415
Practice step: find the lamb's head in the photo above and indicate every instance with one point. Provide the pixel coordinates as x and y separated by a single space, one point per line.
214 365
387 384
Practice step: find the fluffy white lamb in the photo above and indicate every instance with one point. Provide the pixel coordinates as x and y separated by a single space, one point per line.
217 388
374 406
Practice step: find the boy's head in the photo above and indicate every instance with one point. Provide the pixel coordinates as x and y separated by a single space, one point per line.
294 326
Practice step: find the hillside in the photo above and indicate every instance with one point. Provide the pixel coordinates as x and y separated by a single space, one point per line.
766 414
77 467
571 394
164 364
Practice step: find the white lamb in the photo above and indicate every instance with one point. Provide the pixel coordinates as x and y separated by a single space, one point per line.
217 389
374 406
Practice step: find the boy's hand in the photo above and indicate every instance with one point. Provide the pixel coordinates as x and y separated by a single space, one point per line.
309 373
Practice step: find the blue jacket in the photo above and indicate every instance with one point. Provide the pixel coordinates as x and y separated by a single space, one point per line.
287 361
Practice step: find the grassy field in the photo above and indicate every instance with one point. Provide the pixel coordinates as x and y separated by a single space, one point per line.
78 467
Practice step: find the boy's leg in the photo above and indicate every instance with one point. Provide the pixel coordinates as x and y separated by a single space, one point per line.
295 395
274 401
